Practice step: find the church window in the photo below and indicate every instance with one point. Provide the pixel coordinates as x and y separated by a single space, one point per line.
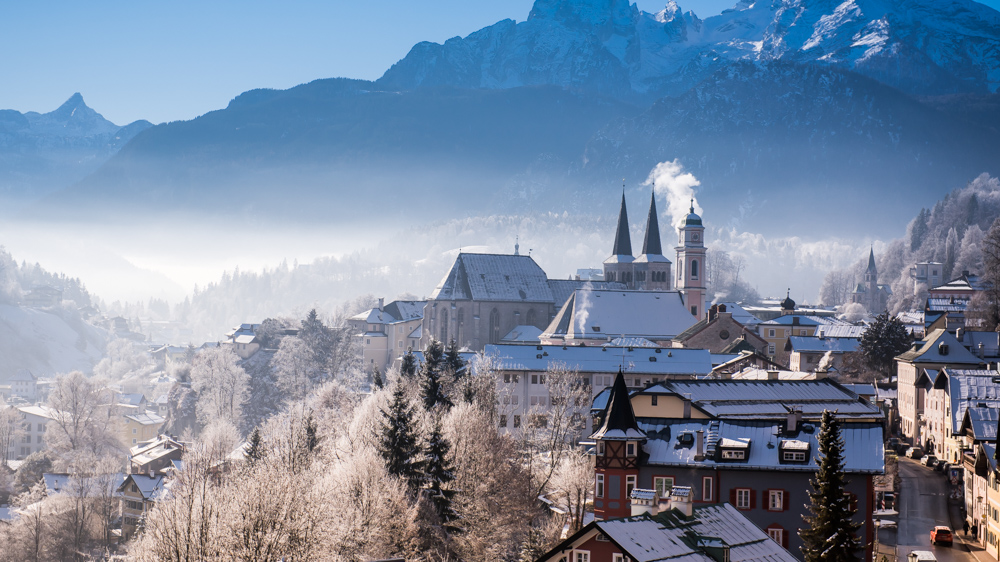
494 336
458 325
531 317
694 269
444 325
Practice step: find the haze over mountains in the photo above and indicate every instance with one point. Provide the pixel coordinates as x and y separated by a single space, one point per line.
863 110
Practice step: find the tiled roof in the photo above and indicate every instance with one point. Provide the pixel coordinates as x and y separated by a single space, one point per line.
522 334
494 277
982 422
970 388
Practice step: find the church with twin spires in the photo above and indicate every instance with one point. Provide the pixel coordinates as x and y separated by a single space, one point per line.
650 271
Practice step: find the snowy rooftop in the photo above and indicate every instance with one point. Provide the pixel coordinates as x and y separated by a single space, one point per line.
522 334
806 344
595 359
494 277
863 444
591 315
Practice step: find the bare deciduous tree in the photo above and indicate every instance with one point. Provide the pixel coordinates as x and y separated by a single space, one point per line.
221 385
86 422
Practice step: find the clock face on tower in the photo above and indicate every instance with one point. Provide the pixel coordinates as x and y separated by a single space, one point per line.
694 236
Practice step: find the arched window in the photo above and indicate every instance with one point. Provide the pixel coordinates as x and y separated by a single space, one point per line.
459 322
444 326
694 269
531 317
494 336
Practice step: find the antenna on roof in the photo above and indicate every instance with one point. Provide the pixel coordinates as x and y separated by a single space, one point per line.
517 245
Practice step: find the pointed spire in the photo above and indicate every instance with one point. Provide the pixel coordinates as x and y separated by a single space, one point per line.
692 205
623 242
619 418
871 259
651 243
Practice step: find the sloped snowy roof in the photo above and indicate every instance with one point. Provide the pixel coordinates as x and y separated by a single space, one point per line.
803 320
563 288
600 314
842 330
821 345
930 351
149 486
522 334
494 277
863 444
970 388
594 359
982 422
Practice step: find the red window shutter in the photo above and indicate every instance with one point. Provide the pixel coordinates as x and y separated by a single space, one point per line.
732 497
785 500
753 499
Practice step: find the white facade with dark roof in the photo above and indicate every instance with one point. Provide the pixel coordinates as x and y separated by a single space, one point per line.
387 331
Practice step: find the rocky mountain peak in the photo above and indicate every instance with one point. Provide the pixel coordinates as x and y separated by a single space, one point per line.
592 13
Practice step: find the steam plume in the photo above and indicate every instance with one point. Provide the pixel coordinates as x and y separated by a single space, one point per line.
670 180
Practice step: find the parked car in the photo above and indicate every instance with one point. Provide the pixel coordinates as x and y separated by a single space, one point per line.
929 461
942 466
893 444
941 535
914 452
921 556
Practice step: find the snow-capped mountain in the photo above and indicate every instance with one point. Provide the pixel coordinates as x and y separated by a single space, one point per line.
41 152
609 46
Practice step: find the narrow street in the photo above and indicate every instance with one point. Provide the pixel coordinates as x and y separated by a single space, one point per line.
923 503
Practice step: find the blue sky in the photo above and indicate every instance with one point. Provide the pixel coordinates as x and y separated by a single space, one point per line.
164 61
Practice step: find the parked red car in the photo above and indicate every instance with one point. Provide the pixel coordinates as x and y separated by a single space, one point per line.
941 535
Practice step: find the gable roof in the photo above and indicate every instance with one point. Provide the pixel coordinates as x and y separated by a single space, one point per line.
982 422
822 345
668 535
930 351
494 277
149 486
602 359
592 314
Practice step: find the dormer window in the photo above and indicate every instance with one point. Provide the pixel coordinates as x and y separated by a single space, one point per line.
600 448
630 449
734 449
793 451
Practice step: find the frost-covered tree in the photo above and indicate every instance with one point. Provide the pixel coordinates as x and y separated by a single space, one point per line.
398 443
221 385
122 359
86 422
454 365
573 483
985 306
408 369
255 448
297 368
182 410
831 533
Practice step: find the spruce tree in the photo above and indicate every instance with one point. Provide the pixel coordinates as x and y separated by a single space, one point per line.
432 387
831 533
884 339
453 361
255 448
377 382
438 474
312 439
409 367
397 442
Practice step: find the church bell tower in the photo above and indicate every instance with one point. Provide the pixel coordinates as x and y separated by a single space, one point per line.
691 262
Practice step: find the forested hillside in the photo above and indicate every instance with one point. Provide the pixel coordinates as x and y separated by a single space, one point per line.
951 233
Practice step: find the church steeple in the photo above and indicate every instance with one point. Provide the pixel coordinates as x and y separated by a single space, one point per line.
651 243
623 242
619 417
871 259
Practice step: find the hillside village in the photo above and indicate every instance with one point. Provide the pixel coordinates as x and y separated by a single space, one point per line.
598 413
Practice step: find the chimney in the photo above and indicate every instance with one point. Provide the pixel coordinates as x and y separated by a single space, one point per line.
959 334
713 312
794 417
680 499
687 406
381 304
982 352
644 501
699 444
772 375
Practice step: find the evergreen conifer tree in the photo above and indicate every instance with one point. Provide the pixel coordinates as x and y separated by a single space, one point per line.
397 442
432 387
453 361
831 532
438 474
377 382
409 367
255 448
882 341
312 439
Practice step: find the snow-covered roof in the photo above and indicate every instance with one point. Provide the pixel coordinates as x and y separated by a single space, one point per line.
982 422
145 418
970 388
931 351
56 483
494 277
22 375
149 486
587 359
807 344
591 315
803 320
842 330
522 334
863 444
740 314
132 399
40 411
631 342
860 389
